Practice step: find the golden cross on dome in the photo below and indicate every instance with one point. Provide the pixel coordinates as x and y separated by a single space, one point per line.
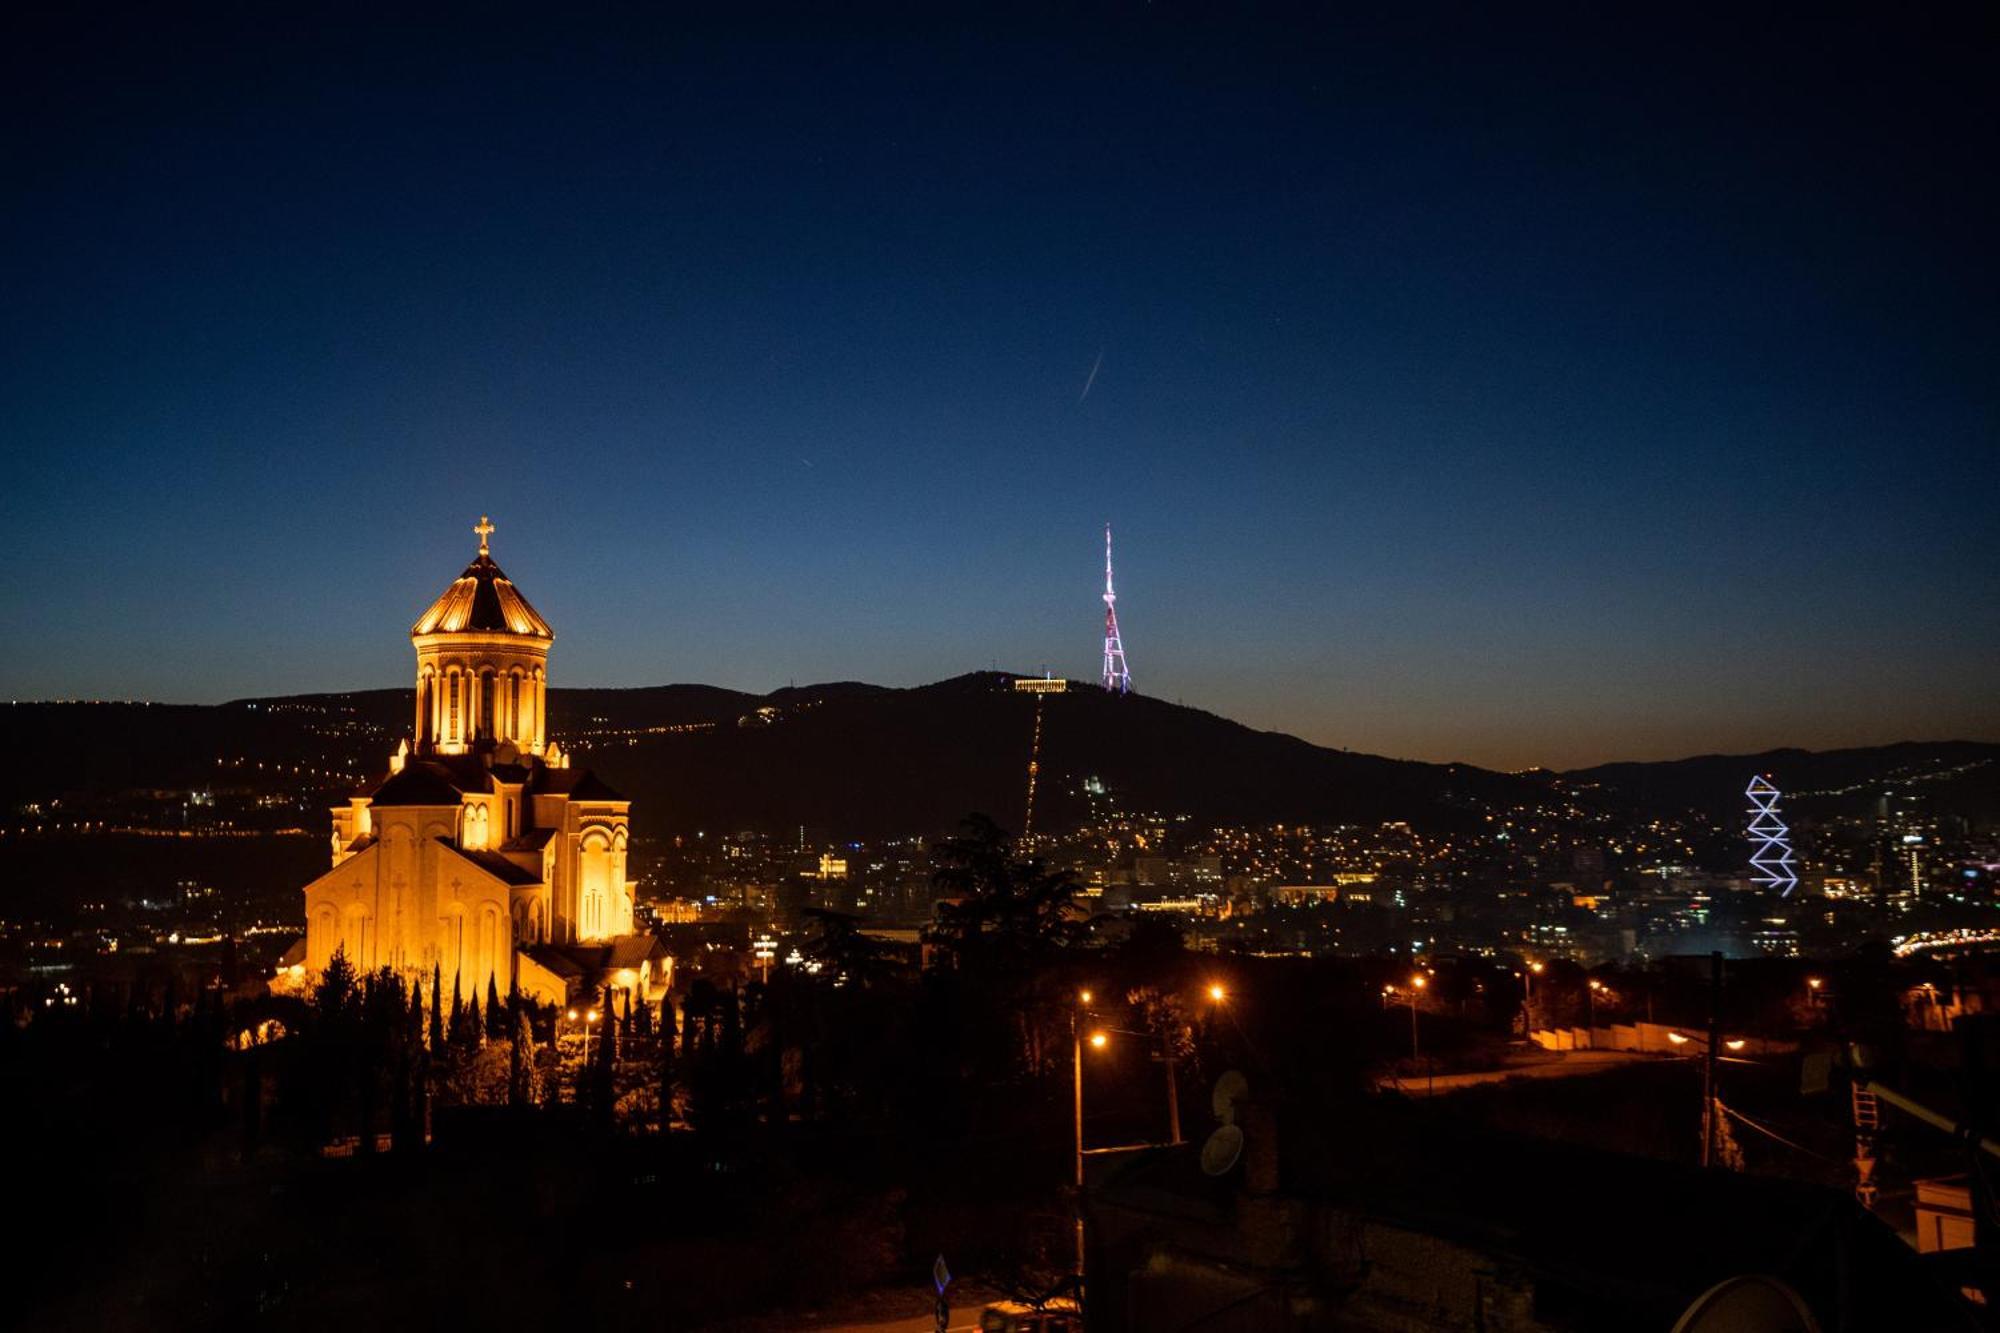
485 530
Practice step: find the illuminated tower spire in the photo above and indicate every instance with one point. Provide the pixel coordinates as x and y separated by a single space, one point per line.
1117 676
1771 851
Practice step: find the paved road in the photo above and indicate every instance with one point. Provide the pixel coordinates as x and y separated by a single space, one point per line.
1559 1064
965 1310
962 1321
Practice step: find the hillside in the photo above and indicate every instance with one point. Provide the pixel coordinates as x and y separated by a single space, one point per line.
851 759
868 761
847 758
1954 777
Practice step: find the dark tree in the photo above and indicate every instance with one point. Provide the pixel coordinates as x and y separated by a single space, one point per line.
668 1024
842 951
497 1021
999 909
437 1010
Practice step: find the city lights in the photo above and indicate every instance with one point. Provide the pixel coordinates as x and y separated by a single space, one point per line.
1511 459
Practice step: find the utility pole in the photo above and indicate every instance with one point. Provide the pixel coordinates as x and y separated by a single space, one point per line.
1173 1090
1972 1030
1708 1112
1076 1069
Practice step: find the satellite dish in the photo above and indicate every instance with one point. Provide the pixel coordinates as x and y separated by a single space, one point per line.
1230 1089
1222 1150
1752 1303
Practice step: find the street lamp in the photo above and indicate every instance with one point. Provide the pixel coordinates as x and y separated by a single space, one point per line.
1216 993
1097 1042
1590 1000
1417 983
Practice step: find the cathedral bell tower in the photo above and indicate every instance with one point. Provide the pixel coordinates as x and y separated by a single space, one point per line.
482 665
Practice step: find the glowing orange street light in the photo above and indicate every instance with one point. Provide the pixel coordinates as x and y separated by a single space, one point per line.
1417 983
1098 1040
1217 993
1084 997
1677 1039
1734 1043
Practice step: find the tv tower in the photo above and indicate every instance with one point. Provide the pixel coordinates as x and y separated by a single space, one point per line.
1117 676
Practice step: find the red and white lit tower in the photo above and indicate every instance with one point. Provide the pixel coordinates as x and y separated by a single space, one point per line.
1117 676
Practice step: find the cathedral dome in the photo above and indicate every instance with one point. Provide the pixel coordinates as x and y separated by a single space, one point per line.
482 600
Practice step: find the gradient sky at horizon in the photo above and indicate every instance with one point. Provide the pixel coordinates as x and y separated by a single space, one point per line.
1614 386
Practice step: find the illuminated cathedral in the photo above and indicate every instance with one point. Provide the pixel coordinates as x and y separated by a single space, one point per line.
481 852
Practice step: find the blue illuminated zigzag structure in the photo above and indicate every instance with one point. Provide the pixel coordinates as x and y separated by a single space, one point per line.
1771 855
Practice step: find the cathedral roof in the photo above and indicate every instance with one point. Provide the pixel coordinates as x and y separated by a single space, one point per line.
579 784
482 600
419 783
494 864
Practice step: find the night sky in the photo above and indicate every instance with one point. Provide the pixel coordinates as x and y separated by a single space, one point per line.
1517 384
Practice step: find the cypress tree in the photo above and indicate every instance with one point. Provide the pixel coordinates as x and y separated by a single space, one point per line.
410 1077
518 1057
457 1007
732 1026
607 1055
667 1026
496 1021
437 1010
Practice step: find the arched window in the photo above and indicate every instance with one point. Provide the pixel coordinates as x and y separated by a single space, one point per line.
489 946
323 936
360 945
594 887
453 942
486 708
451 725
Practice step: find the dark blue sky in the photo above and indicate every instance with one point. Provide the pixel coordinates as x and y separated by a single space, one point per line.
1526 387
